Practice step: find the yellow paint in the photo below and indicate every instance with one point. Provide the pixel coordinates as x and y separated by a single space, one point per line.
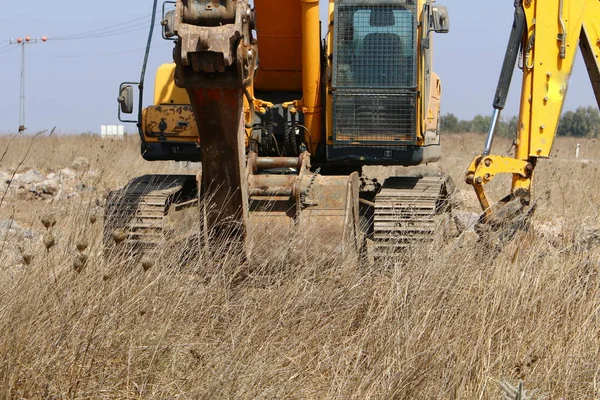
544 87
435 97
165 91
426 118
311 73
421 112
329 76
180 122
279 35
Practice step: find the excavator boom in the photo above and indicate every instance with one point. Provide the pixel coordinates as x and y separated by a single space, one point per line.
548 35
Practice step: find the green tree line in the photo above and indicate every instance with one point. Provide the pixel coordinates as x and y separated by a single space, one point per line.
583 122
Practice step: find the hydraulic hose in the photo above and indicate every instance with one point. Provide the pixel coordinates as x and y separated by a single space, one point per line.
506 74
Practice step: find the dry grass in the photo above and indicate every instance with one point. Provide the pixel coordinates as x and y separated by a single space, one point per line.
115 161
447 321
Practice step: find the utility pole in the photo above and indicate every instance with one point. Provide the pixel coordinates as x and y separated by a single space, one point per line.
22 42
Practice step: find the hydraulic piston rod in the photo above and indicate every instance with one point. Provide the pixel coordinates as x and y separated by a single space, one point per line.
510 59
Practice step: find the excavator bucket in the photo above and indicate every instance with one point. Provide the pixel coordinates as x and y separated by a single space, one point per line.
321 218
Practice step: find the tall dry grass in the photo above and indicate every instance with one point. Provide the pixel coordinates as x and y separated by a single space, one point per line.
445 321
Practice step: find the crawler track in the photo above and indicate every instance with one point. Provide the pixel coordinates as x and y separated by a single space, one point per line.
405 211
139 210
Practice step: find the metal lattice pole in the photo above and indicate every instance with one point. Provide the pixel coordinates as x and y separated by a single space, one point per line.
22 42
22 96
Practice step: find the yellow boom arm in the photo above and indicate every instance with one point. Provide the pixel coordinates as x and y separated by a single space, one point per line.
548 33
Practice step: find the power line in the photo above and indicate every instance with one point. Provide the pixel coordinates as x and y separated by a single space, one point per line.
111 30
132 25
120 31
7 49
101 29
9 59
132 51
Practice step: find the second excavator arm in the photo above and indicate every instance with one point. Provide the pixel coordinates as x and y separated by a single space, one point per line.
546 34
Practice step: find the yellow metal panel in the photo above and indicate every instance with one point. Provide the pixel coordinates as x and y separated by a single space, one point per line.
311 72
165 91
178 121
279 33
548 72
435 95
329 96
422 91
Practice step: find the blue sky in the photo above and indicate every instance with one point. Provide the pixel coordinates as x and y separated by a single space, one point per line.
72 84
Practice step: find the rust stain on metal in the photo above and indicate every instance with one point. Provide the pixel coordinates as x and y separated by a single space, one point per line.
179 120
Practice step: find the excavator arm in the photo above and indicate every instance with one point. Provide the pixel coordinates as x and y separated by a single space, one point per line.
255 196
215 59
546 35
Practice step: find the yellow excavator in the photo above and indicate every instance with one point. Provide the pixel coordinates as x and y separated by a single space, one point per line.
545 37
284 121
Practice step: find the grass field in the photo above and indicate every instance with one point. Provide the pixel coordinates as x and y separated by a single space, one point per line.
446 321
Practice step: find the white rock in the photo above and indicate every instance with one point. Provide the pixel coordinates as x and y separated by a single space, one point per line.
51 187
80 164
67 174
34 188
30 177
465 220
551 231
4 177
11 227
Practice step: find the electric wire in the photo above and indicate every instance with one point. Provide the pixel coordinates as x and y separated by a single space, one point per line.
123 27
9 50
102 29
132 25
90 55
10 59
132 28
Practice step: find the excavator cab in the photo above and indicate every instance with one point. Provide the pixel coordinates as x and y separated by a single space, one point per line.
381 83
